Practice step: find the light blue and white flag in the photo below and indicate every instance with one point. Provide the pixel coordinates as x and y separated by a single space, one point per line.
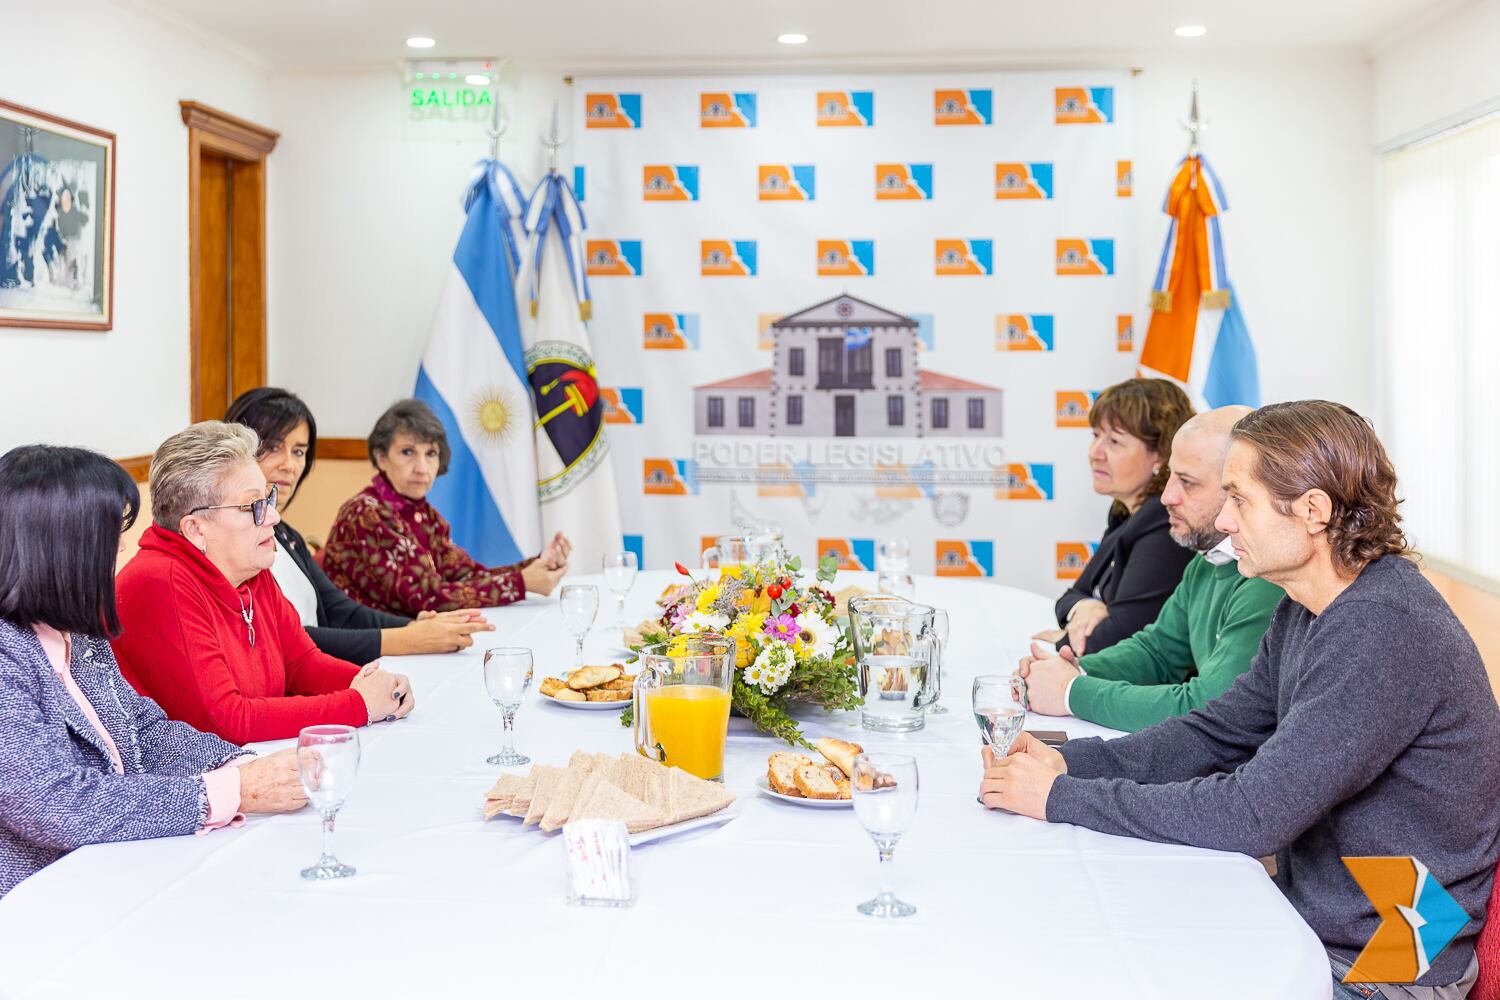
473 375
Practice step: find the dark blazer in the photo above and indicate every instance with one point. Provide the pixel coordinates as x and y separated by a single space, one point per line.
346 629
57 789
1134 571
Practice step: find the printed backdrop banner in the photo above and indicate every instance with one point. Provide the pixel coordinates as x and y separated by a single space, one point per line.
860 307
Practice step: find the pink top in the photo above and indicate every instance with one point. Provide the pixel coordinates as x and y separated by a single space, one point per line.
222 784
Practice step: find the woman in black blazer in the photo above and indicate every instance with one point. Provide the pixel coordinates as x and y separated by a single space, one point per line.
338 625
1137 565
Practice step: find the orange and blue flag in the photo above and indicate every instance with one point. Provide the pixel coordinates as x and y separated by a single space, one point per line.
837 108
1023 481
612 110
669 182
723 109
787 182
849 258
621 405
1072 557
1073 407
669 331
728 258
1084 105
962 107
1076 256
853 554
613 257
1124 179
954 557
669 477
963 257
903 181
1022 180
1024 332
1418 919
1124 333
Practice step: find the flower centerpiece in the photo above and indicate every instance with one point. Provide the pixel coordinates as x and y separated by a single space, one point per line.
788 647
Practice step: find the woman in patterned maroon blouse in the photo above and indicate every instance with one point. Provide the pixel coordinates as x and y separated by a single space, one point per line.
390 549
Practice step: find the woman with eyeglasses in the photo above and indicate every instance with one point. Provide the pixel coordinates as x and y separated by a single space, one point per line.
206 631
83 758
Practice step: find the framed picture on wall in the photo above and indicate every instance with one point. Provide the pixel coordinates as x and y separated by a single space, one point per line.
57 215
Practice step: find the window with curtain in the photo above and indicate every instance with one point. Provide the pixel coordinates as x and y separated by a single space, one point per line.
1440 364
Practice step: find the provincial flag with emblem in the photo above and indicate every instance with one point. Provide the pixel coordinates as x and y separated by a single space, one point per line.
473 375
575 479
1197 335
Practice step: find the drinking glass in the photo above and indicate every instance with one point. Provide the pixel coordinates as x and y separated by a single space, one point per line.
893 555
998 711
884 788
763 540
507 675
727 551
619 576
327 763
681 702
940 630
579 603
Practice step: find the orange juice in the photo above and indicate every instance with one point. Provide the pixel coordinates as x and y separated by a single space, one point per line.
690 721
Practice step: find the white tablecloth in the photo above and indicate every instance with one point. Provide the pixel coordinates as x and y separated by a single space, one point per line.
445 904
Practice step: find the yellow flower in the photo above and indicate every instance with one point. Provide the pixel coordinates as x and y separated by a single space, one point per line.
707 597
733 571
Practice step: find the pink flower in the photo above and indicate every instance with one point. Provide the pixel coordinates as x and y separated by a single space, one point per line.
679 614
783 627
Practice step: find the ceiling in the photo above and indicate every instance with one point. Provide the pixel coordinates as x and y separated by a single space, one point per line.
668 34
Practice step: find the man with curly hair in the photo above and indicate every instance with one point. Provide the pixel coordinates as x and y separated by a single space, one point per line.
1365 727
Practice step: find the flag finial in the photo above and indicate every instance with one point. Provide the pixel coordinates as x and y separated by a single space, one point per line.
1195 125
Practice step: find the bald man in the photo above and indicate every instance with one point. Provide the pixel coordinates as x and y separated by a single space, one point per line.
1206 633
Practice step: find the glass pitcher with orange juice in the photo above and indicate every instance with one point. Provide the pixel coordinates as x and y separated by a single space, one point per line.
726 552
681 702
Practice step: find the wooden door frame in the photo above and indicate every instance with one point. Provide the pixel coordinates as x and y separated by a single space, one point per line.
215 131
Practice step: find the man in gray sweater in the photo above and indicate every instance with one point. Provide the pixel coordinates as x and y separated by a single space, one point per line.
1366 726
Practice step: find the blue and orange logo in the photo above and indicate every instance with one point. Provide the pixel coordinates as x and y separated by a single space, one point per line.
798 480
1124 334
1073 407
1084 105
962 107
1020 481
608 257
669 477
1022 180
903 181
852 553
787 182
733 258
669 331
1085 256
612 110
1072 557
1124 179
1024 332
721 109
578 176
838 108
621 406
847 258
964 257
668 182
1418 919
958 558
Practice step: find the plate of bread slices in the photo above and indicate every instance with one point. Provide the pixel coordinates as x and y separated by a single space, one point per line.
651 799
795 777
598 687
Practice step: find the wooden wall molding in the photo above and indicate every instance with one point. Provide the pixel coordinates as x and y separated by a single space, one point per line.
139 466
343 449
224 133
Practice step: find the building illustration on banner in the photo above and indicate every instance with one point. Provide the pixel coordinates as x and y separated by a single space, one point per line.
846 368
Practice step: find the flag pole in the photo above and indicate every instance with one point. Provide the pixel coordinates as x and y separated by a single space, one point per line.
553 142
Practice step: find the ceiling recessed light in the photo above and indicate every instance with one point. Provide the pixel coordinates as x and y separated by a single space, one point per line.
419 42
791 38
477 80
1191 31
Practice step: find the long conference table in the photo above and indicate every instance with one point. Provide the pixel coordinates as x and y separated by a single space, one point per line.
447 905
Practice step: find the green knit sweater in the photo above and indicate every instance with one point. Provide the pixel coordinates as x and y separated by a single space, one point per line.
1204 638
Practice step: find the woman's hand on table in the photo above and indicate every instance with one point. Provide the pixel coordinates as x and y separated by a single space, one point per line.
540 578
1021 781
271 784
1047 676
435 632
1082 620
386 695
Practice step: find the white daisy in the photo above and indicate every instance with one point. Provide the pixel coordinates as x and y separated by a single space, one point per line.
771 668
818 636
702 621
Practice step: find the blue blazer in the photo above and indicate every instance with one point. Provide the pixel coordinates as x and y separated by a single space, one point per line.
57 787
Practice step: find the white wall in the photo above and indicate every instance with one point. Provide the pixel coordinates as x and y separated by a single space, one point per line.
1439 70
364 217
124 391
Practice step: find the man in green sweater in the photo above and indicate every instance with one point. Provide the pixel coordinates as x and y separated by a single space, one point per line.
1206 633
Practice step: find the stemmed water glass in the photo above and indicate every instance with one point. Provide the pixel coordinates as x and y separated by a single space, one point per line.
327 763
619 576
884 788
939 629
998 710
579 603
507 675
892 568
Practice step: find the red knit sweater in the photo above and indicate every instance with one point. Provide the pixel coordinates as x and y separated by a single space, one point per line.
185 644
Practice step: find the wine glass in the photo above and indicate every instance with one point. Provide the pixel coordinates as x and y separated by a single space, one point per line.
619 576
893 555
998 711
579 603
327 763
884 788
507 675
939 629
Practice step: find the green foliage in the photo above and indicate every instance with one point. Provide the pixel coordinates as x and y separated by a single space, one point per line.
828 567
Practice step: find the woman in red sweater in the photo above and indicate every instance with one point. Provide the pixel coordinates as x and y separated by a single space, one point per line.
206 632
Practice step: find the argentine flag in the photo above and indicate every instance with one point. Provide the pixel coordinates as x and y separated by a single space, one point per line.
473 375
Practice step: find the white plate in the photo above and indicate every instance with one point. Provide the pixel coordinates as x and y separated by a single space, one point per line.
724 815
587 706
766 789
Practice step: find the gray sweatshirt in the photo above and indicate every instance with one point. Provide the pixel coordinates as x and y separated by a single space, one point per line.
1368 730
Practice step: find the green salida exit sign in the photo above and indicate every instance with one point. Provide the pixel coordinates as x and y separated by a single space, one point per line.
438 97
